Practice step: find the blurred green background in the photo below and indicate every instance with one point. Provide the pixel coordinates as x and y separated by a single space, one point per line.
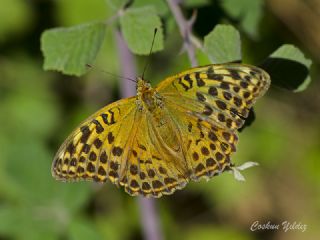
39 109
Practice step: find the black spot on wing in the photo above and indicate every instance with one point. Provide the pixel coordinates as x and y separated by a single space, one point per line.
85 133
186 88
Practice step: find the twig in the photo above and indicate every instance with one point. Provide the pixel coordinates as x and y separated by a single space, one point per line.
149 219
149 216
185 28
128 67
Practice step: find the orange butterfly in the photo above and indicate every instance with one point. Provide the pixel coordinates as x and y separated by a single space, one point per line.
154 143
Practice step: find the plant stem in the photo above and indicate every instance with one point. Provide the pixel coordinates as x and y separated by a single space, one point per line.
149 219
149 215
128 67
185 28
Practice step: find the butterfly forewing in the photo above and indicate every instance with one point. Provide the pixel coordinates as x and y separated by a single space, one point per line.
117 144
94 150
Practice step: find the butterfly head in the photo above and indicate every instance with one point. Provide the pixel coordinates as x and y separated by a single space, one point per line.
142 85
147 97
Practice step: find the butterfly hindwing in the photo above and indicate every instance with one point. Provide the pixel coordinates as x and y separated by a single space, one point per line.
207 148
150 170
209 104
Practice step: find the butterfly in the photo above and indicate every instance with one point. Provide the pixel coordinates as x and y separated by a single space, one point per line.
157 141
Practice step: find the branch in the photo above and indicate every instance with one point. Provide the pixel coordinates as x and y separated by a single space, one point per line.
128 67
185 28
149 219
149 216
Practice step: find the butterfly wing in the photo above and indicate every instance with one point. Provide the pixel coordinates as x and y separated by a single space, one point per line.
151 169
192 136
117 144
208 104
223 94
96 149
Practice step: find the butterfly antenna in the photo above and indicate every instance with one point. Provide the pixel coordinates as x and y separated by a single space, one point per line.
148 59
112 74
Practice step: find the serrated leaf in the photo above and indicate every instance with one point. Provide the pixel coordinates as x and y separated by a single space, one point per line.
288 68
69 49
137 26
223 44
248 12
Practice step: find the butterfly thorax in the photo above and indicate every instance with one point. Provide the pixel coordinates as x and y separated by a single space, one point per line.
164 131
147 97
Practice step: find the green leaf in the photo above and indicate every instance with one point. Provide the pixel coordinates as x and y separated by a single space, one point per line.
223 44
69 49
138 26
288 68
249 12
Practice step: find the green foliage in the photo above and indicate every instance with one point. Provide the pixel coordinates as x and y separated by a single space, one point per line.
16 17
70 49
26 160
73 12
135 24
117 4
83 230
289 68
248 12
161 7
196 3
208 232
223 44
